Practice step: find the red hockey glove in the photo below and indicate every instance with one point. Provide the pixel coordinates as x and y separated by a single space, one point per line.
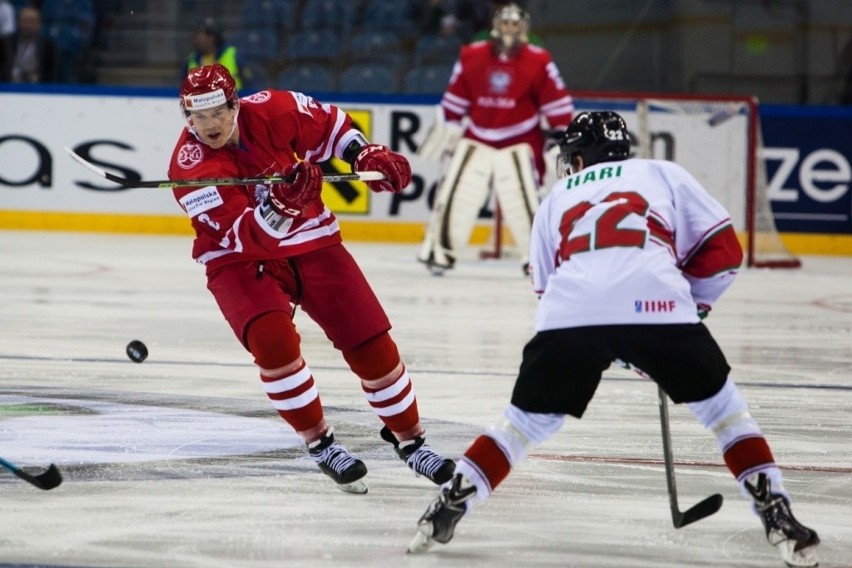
300 197
703 310
396 168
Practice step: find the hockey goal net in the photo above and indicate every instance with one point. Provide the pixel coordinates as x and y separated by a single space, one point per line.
717 139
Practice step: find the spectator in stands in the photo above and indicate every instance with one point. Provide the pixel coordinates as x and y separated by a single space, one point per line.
450 17
32 57
209 46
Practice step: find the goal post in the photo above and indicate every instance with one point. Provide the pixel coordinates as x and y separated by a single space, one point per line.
717 138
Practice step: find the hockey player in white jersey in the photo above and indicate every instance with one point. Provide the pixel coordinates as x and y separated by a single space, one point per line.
627 256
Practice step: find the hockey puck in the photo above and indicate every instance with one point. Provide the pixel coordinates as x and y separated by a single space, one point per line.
137 351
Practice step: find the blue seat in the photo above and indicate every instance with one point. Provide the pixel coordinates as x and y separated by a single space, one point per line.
257 45
306 78
377 46
388 15
329 14
69 23
276 14
427 79
368 78
325 46
255 78
432 48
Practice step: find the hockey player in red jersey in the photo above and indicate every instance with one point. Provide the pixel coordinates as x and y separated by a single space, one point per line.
627 255
502 88
269 249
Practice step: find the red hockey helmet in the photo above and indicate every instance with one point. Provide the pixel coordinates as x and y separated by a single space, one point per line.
207 87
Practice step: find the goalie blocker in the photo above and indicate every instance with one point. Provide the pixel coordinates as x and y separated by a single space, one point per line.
473 170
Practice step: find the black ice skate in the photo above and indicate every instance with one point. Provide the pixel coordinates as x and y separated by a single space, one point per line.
439 521
439 263
421 458
796 542
336 462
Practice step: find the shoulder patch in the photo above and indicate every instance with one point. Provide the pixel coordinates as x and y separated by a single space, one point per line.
201 200
189 155
303 102
257 98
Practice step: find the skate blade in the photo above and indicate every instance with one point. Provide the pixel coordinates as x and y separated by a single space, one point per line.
420 544
804 558
359 486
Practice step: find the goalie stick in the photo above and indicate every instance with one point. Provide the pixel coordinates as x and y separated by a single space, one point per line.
169 184
700 510
49 479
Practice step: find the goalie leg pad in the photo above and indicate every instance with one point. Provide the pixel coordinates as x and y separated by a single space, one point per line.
441 138
517 192
460 197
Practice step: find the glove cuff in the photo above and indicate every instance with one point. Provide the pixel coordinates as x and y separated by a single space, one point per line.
276 221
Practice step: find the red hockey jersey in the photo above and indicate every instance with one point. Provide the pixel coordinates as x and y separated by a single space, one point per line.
505 96
275 128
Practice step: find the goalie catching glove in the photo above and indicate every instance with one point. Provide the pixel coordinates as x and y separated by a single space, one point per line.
300 197
394 166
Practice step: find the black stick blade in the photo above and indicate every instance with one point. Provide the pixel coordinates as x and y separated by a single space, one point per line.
697 512
48 480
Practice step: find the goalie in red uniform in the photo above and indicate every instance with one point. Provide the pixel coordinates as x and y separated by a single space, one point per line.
269 249
502 87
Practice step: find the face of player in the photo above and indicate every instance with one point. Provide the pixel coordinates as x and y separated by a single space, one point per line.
215 126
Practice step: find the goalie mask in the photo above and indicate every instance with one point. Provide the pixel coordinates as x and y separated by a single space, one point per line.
509 28
595 137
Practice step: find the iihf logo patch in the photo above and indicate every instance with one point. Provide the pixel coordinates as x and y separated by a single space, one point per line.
654 306
258 98
189 155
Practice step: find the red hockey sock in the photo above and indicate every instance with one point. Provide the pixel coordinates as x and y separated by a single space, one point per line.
747 454
486 456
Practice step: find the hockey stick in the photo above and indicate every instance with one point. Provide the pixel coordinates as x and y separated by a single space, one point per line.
47 480
698 511
168 184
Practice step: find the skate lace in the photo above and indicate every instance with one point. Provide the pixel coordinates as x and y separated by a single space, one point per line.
425 461
335 457
780 523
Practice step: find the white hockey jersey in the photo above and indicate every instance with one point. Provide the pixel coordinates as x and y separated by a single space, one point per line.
630 242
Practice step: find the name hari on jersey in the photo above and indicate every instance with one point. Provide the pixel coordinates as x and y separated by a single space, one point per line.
590 175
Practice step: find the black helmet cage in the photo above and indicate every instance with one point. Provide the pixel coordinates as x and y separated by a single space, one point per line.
596 137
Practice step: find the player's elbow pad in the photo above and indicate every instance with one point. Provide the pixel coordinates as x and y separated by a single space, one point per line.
708 290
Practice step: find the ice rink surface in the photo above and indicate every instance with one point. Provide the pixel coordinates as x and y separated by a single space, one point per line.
181 461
